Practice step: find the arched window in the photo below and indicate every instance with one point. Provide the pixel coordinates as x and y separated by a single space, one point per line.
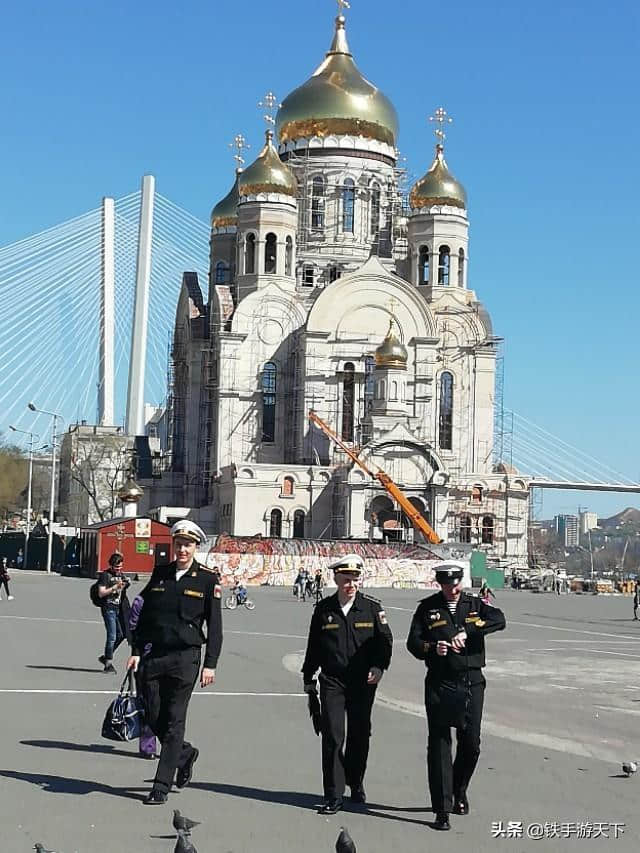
444 259
445 421
221 272
369 382
298 524
423 265
317 202
270 250
375 210
461 268
269 388
275 523
487 530
476 495
288 256
348 205
250 254
394 391
465 529
287 487
348 400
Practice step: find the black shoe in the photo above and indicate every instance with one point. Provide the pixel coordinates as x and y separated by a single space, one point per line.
358 794
460 804
442 821
331 806
110 668
102 659
155 797
184 774
150 756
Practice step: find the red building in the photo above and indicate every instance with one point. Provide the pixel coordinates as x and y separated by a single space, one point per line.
143 542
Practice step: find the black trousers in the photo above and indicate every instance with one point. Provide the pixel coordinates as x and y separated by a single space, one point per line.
167 683
447 778
344 765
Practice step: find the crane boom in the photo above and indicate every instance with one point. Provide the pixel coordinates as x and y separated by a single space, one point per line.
415 516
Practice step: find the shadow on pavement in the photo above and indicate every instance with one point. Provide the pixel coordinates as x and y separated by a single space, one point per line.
101 748
307 801
68 785
63 668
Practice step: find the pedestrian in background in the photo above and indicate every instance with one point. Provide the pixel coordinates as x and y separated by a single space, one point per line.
350 643
447 632
5 578
114 604
178 601
636 601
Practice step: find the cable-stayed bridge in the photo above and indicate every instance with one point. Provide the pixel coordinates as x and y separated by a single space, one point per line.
52 331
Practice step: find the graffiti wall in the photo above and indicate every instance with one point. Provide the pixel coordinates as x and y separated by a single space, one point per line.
276 562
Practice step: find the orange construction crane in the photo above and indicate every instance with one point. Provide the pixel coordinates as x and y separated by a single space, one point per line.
415 517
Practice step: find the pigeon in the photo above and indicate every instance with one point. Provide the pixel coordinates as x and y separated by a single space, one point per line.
184 844
345 844
629 767
181 822
40 849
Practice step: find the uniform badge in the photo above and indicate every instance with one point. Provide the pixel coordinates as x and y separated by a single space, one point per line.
382 617
193 574
217 591
329 618
435 614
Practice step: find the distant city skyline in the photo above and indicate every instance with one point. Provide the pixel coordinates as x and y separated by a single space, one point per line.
543 139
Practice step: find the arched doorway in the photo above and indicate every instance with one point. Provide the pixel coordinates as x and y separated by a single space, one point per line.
298 524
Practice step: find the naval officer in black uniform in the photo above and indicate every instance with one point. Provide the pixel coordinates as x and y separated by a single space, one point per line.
447 632
178 600
350 643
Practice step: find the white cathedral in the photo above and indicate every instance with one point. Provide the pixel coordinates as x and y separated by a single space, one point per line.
328 293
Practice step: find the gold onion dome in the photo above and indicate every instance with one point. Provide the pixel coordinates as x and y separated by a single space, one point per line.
130 491
391 352
268 174
438 186
337 99
226 210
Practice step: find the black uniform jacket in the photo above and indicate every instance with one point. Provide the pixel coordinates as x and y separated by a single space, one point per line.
174 613
432 621
347 647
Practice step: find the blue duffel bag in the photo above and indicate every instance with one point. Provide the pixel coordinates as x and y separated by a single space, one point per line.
124 719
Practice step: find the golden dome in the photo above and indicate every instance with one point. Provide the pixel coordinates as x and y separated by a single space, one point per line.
337 99
391 352
130 491
226 210
268 174
438 186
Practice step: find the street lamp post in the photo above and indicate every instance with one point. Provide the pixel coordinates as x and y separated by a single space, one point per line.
55 417
28 531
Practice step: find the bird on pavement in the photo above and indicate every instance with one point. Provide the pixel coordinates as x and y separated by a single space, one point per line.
629 767
182 822
184 843
38 847
345 844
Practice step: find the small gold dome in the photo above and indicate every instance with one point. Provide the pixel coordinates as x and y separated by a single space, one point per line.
130 491
337 99
226 210
438 186
391 352
268 174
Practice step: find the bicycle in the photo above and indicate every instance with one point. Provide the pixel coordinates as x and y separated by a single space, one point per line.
238 599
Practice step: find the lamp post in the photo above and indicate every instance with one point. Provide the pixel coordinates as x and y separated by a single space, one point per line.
55 417
26 538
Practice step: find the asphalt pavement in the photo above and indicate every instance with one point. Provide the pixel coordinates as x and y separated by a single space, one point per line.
561 714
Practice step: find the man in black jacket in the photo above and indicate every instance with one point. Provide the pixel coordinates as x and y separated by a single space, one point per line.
350 642
178 600
115 607
447 632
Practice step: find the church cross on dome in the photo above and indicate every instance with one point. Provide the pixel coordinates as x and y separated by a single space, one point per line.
241 145
441 117
270 104
342 5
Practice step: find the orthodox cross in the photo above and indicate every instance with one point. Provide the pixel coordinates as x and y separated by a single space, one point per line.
270 104
120 536
441 117
343 4
240 144
393 304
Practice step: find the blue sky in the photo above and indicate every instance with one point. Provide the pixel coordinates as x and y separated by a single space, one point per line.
545 140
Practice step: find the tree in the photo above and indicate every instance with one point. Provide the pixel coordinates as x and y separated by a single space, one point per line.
14 473
91 476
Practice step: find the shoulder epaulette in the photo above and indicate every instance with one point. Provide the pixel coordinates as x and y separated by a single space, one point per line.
207 569
371 598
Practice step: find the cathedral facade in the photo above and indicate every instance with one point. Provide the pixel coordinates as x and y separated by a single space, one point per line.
333 291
